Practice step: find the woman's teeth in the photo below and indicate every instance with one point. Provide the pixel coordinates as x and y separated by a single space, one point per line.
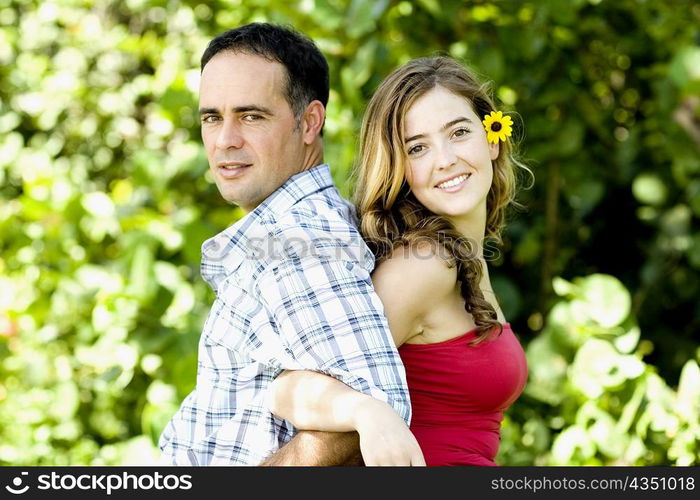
453 182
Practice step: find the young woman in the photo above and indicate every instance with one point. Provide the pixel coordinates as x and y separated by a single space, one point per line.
435 176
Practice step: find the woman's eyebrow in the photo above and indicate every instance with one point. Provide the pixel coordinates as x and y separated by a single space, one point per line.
444 127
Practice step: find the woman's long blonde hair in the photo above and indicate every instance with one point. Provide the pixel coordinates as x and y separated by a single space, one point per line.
389 213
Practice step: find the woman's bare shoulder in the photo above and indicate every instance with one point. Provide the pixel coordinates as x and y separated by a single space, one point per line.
411 283
420 271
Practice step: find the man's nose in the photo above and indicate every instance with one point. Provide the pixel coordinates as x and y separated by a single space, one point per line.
229 136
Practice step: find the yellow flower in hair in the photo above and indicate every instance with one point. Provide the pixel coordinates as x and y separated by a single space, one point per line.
497 126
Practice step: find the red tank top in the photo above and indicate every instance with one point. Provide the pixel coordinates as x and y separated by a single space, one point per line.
459 392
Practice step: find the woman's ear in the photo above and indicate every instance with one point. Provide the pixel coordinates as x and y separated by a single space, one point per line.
494 149
312 121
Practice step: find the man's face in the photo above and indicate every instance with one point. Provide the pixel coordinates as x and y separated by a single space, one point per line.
250 135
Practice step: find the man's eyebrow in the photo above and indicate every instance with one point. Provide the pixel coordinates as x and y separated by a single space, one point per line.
239 109
253 107
444 127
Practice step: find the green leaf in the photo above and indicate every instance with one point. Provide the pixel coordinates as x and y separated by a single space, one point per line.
649 189
362 15
685 66
66 401
573 445
598 367
547 369
563 288
142 283
607 299
627 342
688 399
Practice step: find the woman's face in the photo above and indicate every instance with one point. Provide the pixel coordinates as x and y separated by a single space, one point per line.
448 165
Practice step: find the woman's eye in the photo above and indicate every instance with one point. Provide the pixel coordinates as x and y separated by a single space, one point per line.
461 132
415 149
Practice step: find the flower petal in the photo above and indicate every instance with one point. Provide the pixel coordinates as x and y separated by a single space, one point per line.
504 131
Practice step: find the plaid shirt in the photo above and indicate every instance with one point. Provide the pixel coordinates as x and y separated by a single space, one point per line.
293 291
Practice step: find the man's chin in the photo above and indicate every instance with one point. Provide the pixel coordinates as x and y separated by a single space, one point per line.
229 197
237 200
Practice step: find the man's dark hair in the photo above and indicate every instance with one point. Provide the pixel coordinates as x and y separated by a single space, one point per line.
307 69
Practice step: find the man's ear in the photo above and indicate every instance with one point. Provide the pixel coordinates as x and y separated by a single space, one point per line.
312 121
494 149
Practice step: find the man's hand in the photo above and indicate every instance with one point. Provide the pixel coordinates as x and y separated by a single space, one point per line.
317 448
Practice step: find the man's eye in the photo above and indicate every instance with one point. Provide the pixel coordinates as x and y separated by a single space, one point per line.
210 118
252 118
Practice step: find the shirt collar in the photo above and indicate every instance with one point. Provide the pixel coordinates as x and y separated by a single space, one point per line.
225 252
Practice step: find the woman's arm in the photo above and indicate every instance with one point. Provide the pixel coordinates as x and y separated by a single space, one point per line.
314 401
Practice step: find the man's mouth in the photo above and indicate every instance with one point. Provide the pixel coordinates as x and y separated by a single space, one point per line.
231 170
232 165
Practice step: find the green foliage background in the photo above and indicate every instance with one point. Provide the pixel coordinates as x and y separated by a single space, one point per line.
105 201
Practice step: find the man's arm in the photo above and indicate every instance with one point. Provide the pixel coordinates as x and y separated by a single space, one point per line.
335 326
318 449
330 320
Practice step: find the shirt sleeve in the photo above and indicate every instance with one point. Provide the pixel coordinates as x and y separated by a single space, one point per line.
330 320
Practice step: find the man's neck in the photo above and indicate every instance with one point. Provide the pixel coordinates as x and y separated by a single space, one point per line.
313 155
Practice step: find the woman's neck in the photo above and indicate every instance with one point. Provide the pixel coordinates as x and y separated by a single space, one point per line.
473 228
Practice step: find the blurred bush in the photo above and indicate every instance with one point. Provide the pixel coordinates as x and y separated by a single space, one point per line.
105 200
591 399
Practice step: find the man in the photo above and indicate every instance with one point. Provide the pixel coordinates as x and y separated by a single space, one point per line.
291 277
